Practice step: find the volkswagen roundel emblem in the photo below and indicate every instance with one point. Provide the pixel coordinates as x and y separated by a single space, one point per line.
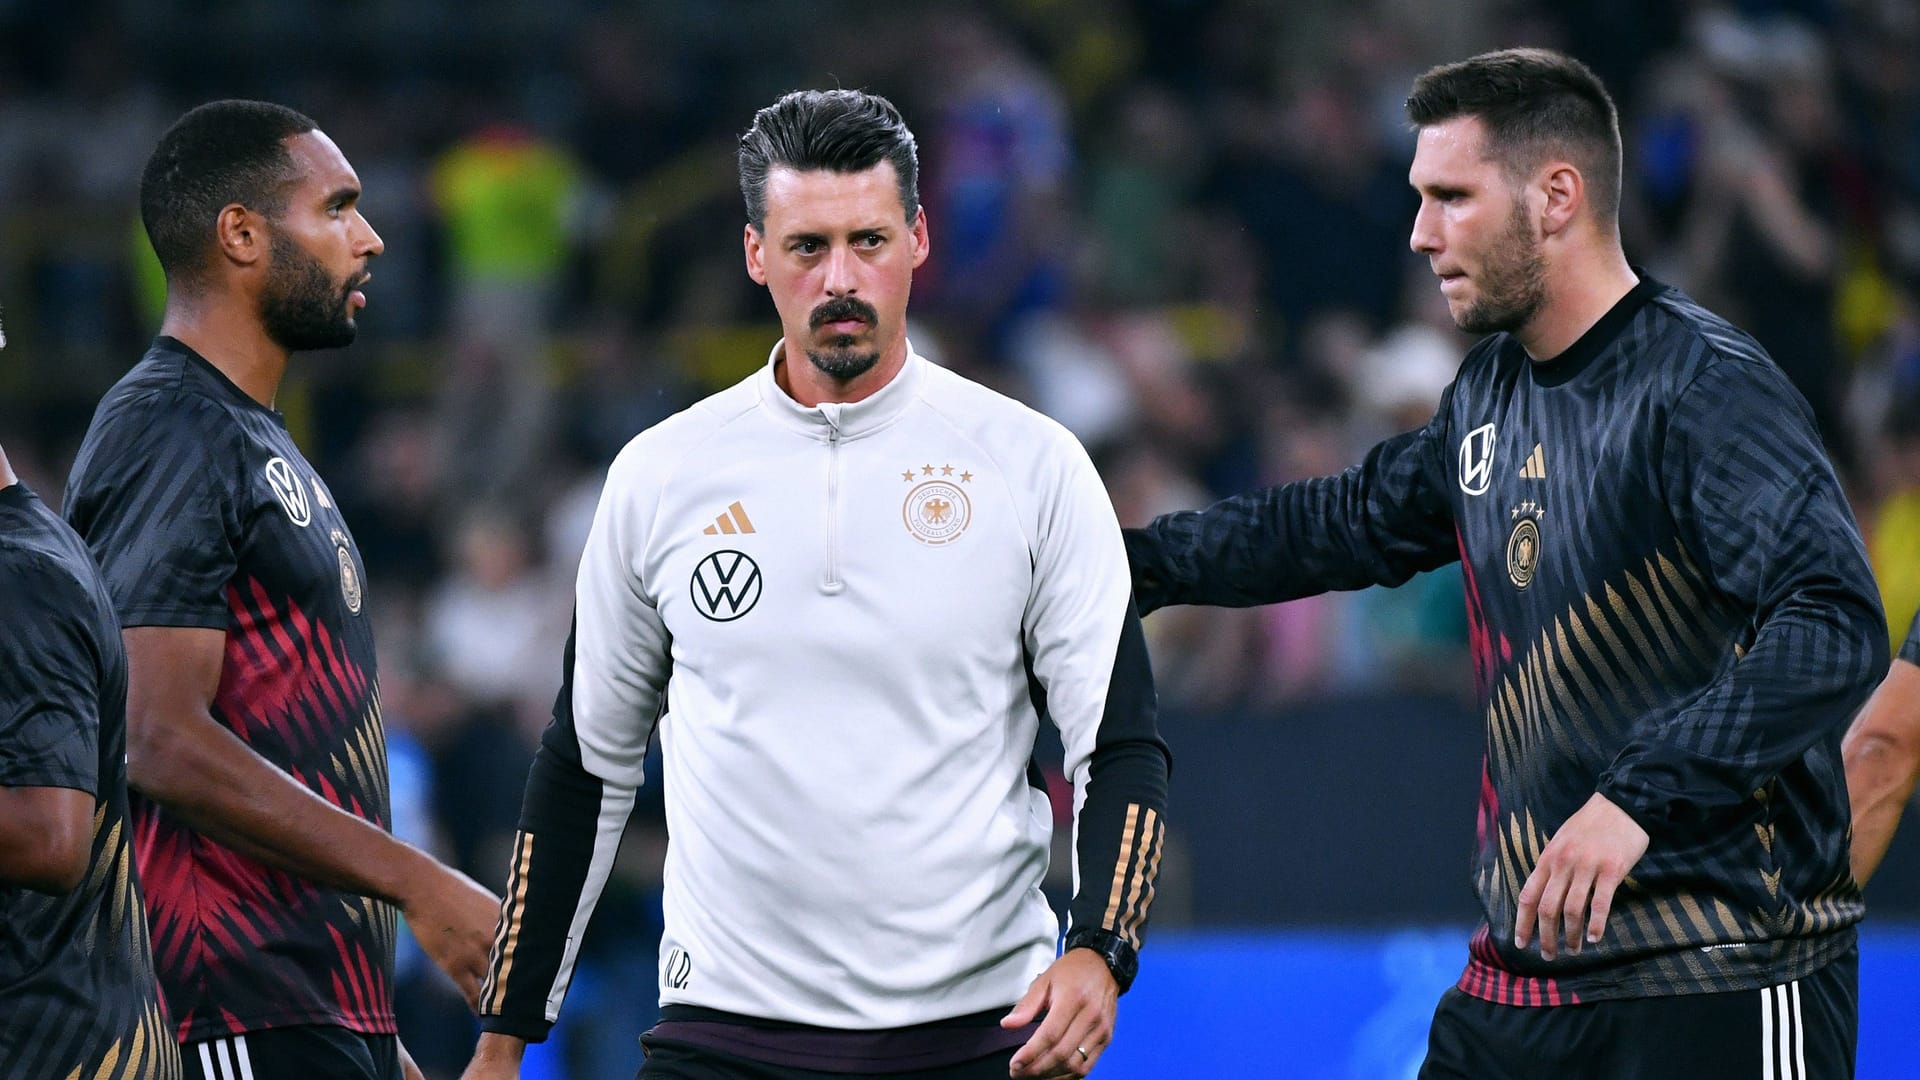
290 491
726 585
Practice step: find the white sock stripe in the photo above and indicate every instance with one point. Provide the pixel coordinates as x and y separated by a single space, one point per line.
246 1061
206 1063
1766 1033
1800 1036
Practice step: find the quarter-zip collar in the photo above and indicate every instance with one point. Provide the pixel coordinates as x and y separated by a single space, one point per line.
852 419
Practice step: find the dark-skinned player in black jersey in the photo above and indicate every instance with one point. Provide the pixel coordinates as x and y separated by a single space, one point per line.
255 745
1671 613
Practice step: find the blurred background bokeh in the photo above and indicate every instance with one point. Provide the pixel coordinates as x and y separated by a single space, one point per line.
1178 226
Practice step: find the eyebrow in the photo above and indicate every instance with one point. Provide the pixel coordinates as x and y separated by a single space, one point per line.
858 230
343 195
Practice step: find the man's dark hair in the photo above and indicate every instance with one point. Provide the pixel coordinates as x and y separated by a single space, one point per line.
220 153
843 131
1535 104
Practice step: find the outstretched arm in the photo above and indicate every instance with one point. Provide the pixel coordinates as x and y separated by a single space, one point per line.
1378 523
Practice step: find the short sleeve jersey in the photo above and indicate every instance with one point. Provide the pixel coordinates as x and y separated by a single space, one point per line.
77 992
202 512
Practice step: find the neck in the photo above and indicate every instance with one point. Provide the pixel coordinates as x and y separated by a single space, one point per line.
230 336
1586 285
7 479
810 386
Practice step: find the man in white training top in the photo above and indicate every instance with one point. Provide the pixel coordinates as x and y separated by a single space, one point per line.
843 592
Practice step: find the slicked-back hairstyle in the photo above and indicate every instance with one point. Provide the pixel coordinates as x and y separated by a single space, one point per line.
220 153
843 131
1535 104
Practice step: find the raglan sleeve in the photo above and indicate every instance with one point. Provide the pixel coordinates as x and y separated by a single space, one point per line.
580 790
1089 658
156 497
1378 523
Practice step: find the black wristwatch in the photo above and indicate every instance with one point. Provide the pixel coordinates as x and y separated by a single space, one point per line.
1122 959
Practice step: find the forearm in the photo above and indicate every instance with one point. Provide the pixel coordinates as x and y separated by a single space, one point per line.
1882 752
1120 838
202 773
570 827
1807 672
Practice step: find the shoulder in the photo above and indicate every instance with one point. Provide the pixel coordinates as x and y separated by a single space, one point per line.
995 422
1692 344
42 578
652 456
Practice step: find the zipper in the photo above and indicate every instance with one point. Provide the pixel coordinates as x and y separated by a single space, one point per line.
832 583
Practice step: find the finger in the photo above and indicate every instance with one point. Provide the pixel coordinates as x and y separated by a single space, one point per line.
1047 1051
1085 1041
1529 905
1553 899
1573 920
1603 889
1029 1006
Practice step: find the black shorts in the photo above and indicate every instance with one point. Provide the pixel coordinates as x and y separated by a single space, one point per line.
294 1053
679 1061
1802 1030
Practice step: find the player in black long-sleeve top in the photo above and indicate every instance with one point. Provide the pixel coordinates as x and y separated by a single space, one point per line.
1671 611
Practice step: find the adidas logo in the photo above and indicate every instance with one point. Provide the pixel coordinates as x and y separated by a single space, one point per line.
732 522
1534 469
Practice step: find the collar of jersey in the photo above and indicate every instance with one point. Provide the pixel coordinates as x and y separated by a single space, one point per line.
851 419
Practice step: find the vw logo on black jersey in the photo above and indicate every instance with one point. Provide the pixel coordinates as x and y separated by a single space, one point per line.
726 585
290 491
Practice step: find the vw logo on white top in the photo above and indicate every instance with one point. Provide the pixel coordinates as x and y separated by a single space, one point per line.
290 491
726 585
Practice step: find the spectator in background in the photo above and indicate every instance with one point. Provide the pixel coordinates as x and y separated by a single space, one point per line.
505 198
997 166
490 627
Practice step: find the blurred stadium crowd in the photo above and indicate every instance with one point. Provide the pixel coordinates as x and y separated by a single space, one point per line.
1179 226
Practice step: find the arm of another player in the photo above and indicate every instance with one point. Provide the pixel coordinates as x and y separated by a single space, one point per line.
1882 752
1087 651
49 727
182 758
580 789
1378 523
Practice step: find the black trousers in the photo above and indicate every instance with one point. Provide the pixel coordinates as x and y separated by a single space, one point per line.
294 1053
678 1061
1803 1030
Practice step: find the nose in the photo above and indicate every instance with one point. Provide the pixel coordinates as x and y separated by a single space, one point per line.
840 279
1426 234
370 243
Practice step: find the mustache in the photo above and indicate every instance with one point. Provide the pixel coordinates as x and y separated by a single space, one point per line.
845 307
